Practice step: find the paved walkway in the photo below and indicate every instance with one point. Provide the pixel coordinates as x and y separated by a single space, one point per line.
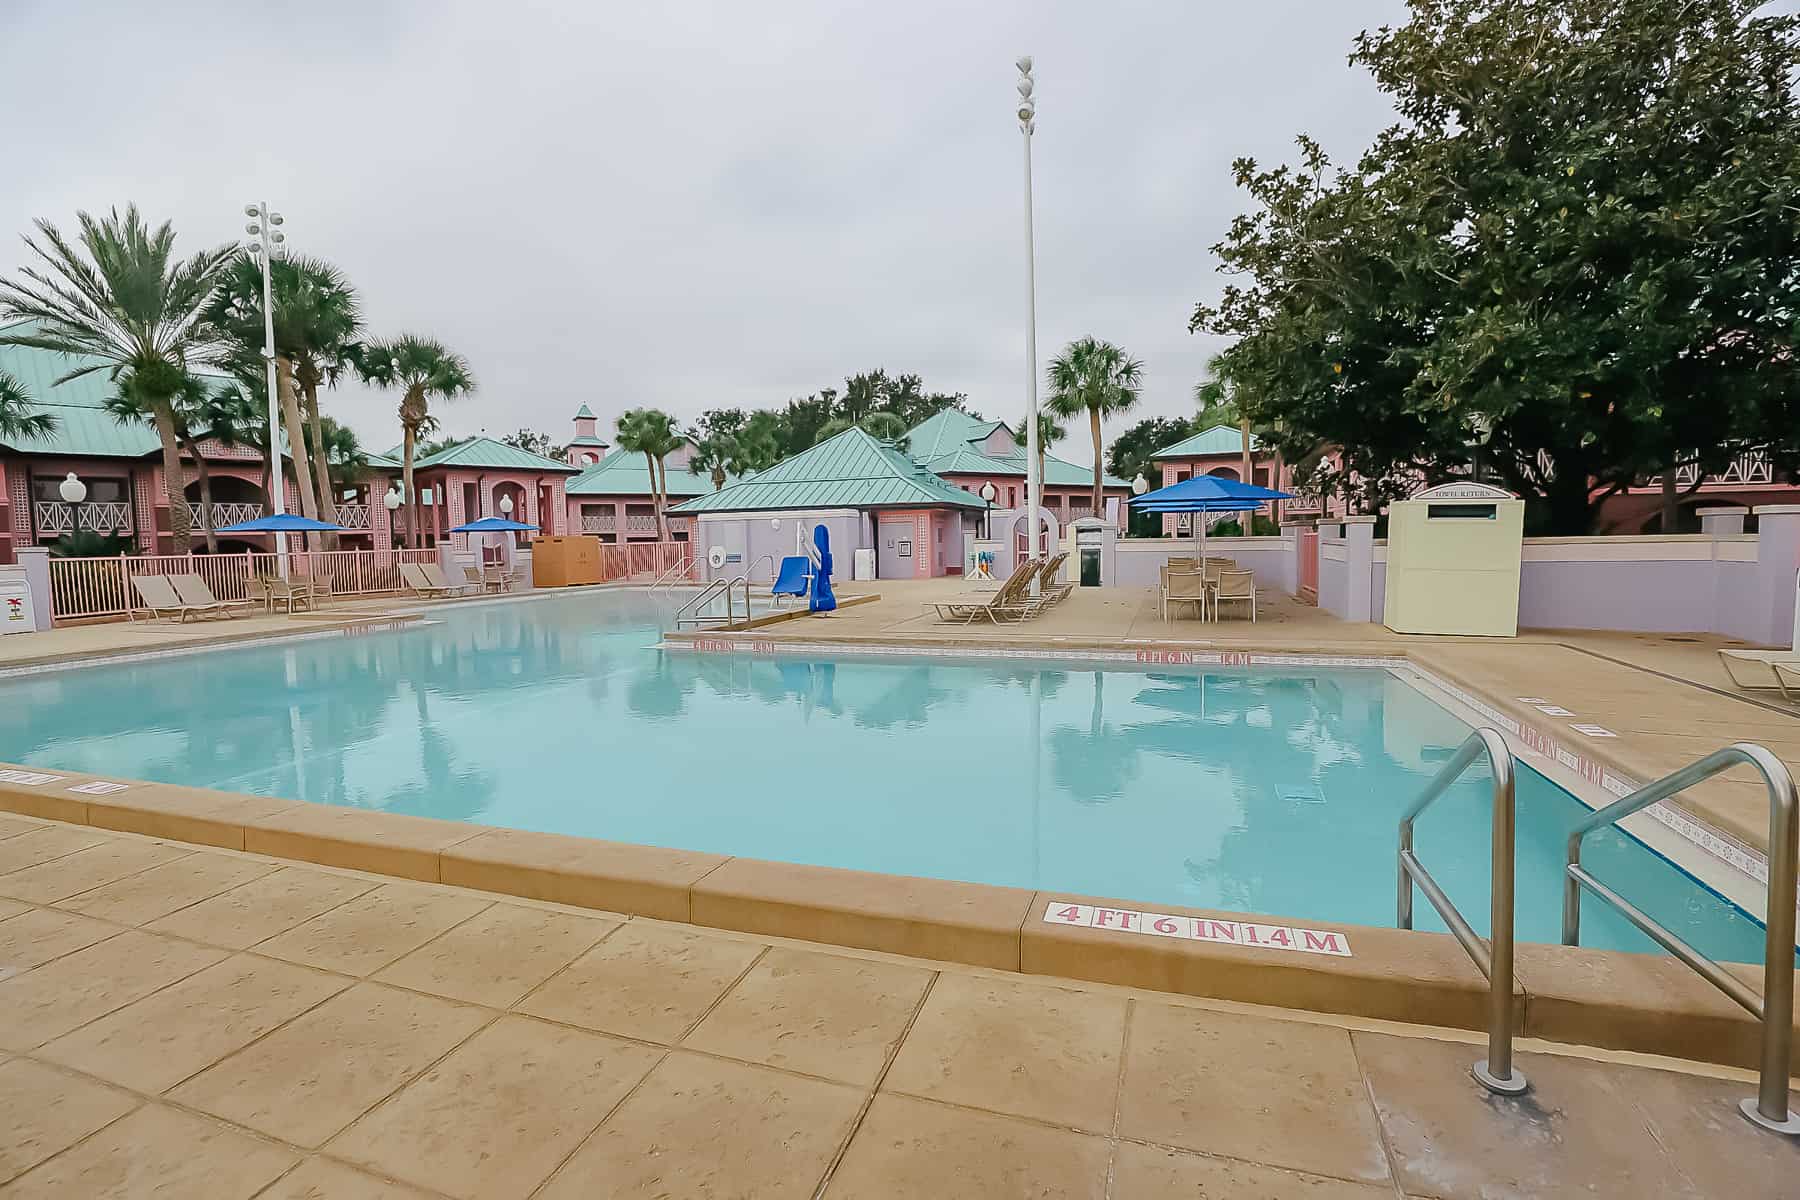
190 1022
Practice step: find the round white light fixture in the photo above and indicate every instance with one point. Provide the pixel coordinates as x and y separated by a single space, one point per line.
251 210
72 490
989 491
393 500
1139 486
506 506
774 522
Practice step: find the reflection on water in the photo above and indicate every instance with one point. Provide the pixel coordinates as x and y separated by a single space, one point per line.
1270 792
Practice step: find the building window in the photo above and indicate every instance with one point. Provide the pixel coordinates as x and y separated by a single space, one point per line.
47 488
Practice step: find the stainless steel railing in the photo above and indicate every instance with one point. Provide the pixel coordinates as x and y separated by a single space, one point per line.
1775 1007
1494 958
692 613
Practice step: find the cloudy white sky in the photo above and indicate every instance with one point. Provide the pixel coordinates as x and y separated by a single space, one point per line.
694 205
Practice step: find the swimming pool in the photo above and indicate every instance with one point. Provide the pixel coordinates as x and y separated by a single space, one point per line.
1260 791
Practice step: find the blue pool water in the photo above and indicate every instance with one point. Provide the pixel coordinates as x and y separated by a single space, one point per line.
1270 791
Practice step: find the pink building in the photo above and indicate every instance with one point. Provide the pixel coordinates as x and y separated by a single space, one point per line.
469 480
1220 451
613 499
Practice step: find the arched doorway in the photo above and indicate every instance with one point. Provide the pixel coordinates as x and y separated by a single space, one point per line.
1014 532
1225 473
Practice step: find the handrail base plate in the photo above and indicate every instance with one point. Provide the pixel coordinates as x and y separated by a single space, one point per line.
1791 1126
1514 1085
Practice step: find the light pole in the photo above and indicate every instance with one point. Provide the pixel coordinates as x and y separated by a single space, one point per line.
73 492
392 502
270 245
1139 486
1034 486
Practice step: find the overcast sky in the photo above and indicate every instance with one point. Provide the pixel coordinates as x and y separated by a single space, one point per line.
695 205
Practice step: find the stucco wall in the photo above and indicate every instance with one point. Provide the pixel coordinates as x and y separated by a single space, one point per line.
751 536
1140 560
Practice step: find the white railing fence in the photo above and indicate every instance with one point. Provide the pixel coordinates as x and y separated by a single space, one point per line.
224 512
100 587
103 516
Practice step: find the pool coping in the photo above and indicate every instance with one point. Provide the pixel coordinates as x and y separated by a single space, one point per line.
1603 998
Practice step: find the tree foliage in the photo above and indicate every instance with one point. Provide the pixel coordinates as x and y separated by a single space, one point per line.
17 420
532 442
1096 379
1583 233
902 396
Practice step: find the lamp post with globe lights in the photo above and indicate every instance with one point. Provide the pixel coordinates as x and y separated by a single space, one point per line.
1034 484
392 502
271 244
73 492
987 494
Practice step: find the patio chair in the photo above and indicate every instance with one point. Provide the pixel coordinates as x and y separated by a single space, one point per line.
433 574
196 597
159 597
1185 587
1235 587
412 577
791 581
1783 667
291 592
968 609
480 580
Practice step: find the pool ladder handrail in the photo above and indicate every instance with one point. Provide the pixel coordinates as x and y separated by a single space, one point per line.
1768 1109
666 581
688 612
1494 959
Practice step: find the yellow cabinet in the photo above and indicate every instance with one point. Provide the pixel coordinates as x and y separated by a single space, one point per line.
1453 561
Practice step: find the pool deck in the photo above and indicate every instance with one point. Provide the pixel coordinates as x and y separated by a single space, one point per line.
191 1021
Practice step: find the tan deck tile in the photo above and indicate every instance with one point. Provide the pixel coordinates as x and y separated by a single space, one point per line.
646 982
43 844
501 1112
614 876
11 908
705 1127
77 988
1276 1092
322 1179
369 932
359 839
86 869
187 814
1025 1049
319 1072
498 956
1150 1171
910 1147
254 911
1577 1133
44 1111
35 936
162 890
158 1151
820 1014
153 1044
12 826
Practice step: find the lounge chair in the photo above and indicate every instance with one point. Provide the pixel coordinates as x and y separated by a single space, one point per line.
1234 587
158 597
1050 592
1782 669
1185 587
792 580
414 577
433 574
198 597
968 609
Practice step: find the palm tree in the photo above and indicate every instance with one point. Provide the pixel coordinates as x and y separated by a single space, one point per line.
131 306
346 462
1216 396
1099 379
317 322
16 418
202 409
1050 432
424 370
882 426
652 433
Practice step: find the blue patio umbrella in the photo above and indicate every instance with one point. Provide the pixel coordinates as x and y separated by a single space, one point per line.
821 599
1206 494
494 525
283 523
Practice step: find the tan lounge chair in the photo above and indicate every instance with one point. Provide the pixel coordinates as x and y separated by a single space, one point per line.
968 609
198 597
1777 669
1050 593
413 576
433 574
157 596
1234 587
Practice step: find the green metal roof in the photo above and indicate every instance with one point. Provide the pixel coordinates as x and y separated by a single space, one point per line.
1220 439
850 470
484 453
589 441
384 462
584 413
83 426
627 474
947 432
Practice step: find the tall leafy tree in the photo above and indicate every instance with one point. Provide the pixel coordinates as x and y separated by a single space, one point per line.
1129 456
885 426
1096 378
346 462
317 323
425 371
1582 233
119 296
203 408
715 438
17 418
654 434
1050 432
532 442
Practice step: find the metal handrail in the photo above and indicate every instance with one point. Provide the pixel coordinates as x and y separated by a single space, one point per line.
1775 1007
681 567
689 612
1494 959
